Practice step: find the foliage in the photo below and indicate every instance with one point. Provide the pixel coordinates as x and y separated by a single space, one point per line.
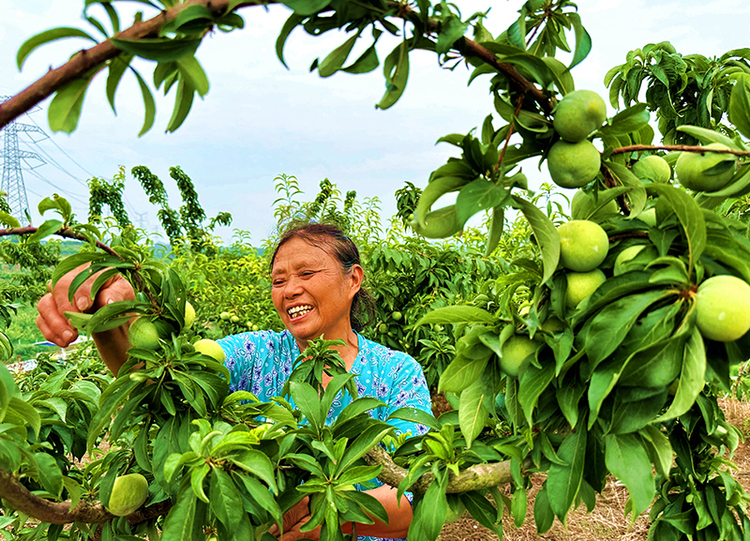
615 385
684 90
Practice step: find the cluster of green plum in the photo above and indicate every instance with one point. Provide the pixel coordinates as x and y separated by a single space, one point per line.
149 333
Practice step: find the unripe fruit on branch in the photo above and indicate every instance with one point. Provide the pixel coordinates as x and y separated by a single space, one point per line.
129 493
653 168
723 308
581 285
516 354
210 348
143 334
573 165
578 114
707 171
583 245
189 315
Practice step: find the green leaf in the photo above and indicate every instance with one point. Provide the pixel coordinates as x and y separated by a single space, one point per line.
496 230
396 72
45 37
583 40
117 68
225 499
692 377
534 381
690 216
630 120
159 49
476 196
739 105
306 7
564 481
178 526
472 415
291 23
191 69
461 373
192 14
627 459
418 416
441 223
545 233
50 475
148 103
660 449
65 109
437 187
182 103
457 314
47 228
363 443
308 402
451 30
706 136
336 58
366 62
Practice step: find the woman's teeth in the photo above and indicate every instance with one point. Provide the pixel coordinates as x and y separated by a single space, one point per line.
299 311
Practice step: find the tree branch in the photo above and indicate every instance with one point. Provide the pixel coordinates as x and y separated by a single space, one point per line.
15 495
87 59
680 148
475 477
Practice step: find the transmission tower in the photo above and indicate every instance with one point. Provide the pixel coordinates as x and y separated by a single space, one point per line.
12 181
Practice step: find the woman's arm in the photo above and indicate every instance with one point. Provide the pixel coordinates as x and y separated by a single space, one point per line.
399 518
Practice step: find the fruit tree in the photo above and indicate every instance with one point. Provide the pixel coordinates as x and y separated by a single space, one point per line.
637 308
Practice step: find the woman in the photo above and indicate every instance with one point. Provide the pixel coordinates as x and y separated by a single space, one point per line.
317 291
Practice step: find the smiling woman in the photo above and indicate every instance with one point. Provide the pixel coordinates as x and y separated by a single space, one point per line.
317 291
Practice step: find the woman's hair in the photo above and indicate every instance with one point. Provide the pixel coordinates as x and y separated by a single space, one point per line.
331 238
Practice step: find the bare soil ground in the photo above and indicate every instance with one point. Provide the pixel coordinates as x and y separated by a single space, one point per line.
607 522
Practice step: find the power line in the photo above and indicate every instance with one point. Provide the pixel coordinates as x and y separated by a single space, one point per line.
58 188
89 173
54 162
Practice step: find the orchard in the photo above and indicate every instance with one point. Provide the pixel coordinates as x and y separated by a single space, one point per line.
596 344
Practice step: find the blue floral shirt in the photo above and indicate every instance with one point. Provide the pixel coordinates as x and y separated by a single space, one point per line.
260 362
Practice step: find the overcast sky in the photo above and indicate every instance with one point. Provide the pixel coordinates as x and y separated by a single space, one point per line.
260 120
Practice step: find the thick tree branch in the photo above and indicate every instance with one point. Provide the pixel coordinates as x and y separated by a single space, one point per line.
476 477
87 59
679 148
16 496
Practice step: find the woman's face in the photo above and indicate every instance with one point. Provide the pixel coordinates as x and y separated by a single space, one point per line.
311 292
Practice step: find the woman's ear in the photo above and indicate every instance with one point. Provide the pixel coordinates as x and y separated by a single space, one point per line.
356 275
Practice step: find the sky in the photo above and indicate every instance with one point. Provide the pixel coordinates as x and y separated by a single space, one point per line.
260 119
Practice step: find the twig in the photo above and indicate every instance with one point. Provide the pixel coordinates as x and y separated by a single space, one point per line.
511 129
68 233
87 59
680 148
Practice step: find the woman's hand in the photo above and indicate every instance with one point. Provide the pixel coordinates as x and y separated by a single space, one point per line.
52 307
56 328
293 520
